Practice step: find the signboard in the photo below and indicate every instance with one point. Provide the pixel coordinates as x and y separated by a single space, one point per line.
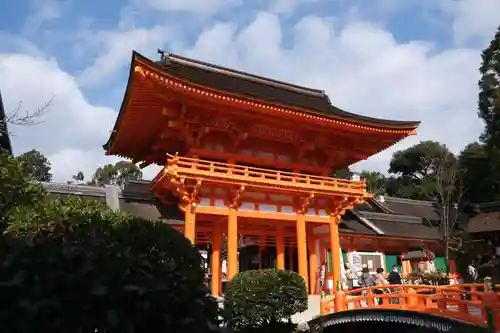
372 260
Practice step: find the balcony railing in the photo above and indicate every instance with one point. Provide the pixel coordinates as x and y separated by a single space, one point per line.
231 173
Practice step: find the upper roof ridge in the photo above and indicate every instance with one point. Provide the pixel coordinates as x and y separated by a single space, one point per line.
172 57
409 201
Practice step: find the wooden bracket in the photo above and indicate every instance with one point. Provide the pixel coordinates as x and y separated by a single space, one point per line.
339 207
235 195
187 192
303 204
238 136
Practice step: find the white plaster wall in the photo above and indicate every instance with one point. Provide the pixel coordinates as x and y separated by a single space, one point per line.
313 310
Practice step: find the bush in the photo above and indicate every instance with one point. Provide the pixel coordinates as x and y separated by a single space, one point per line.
263 300
73 265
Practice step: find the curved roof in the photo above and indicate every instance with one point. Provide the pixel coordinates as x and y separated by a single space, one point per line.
265 89
306 101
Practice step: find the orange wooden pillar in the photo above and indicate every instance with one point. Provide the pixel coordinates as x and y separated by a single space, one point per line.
190 223
232 244
302 248
335 249
280 246
313 265
262 246
216 264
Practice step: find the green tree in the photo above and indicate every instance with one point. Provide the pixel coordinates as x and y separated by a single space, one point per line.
375 181
16 188
79 177
417 168
489 92
74 265
429 171
116 174
36 165
480 177
344 173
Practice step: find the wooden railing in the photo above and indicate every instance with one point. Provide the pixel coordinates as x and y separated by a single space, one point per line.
467 302
232 173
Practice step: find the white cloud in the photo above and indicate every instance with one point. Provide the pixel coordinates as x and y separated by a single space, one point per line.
72 132
362 67
473 20
71 124
192 6
43 11
115 49
364 70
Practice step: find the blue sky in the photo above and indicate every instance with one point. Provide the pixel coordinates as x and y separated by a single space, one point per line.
411 59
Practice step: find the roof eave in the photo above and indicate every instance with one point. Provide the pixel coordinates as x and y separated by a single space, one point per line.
353 118
108 145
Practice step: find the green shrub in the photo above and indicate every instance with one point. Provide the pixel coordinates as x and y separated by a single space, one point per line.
73 265
264 300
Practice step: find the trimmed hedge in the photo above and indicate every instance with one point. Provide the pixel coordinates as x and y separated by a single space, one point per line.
264 300
73 265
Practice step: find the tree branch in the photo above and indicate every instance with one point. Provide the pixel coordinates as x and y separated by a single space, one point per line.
21 117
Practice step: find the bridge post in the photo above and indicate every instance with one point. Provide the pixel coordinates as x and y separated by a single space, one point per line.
412 300
339 301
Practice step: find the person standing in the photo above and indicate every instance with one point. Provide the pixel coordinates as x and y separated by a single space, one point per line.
394 277
349 276
380 281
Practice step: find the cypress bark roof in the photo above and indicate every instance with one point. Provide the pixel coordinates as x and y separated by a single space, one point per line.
366 219
262 88
250 86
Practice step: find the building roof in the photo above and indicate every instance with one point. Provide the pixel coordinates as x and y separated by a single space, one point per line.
248 86
401 206
366 219
263 88
484 222
404 226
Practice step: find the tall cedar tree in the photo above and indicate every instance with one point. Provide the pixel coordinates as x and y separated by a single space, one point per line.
489 95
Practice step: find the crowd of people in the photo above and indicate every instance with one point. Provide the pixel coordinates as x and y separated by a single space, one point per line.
366 279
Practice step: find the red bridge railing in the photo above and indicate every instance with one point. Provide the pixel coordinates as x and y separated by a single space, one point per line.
467 302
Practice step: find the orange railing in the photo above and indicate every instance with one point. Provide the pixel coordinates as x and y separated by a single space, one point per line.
467 302
232 173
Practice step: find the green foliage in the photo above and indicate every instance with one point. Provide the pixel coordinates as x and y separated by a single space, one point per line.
344 173
436 278
264 299
16 187
116 174
73 265
375 181
489 92
36 165
481 176
419 169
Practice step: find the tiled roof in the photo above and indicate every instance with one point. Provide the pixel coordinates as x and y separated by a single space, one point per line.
262 88
370 218
420 208
484 222
401 226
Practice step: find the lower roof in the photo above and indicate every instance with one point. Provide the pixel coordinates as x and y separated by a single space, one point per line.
136 199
